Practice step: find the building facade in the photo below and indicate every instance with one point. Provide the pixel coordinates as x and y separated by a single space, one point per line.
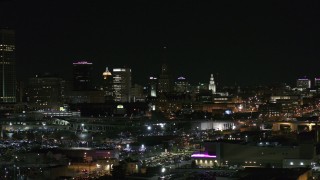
164 81
107 85
8 66
82 76
212 85
121 84
45 91
303 83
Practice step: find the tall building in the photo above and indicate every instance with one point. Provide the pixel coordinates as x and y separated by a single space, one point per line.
107 84
45 91
121 84
317 82
152 88
82 76
8 66
164 82
181 85
303 83
212 85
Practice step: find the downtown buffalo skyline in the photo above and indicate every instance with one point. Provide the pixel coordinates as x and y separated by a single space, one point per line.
240 43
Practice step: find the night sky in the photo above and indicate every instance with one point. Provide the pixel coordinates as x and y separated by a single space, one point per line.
247 43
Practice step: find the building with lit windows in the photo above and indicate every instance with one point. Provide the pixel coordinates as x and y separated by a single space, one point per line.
303 83
181 85
164 81
45 91
152 88
82 76
212 85
107 84
121 84
8 66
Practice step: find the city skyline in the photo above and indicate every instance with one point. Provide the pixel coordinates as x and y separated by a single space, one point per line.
240 43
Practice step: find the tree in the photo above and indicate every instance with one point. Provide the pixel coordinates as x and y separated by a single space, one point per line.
193 164
119 171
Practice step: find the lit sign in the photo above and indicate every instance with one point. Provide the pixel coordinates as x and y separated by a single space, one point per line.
203 156
82 62
120 106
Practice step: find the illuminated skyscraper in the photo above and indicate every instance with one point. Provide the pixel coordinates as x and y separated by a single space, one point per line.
121 84
152 86
107 84
212 85
8 63
82 76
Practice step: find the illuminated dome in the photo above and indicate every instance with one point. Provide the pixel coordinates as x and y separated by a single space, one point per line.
106 73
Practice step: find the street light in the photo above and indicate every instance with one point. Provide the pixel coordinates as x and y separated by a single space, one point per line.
163 170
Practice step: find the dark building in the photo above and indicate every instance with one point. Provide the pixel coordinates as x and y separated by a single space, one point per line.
164 82
181 85
45 91
82 76
8 66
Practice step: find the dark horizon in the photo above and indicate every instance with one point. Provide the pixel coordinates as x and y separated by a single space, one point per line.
241 43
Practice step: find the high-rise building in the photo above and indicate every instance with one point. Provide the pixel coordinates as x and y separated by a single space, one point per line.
303 83
212 85
317 82
121 84
181 85
45 91
152 88
164 82
82 76
8 66
107 84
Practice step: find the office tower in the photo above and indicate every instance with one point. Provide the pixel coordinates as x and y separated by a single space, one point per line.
137 94
45 91
317 82
181 85
212 85
7 69
164 82
107 84
153 82
303 83
121 84
82 76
